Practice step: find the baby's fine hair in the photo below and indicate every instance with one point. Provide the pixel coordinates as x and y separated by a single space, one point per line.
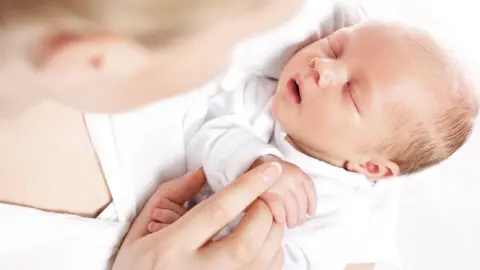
421 140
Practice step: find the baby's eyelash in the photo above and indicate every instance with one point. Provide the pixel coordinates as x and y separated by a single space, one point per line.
351 95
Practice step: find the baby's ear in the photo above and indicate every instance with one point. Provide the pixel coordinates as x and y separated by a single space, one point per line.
375 169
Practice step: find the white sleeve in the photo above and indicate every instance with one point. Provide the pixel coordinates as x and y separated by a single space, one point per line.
237 131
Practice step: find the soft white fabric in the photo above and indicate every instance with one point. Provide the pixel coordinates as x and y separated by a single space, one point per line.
240 128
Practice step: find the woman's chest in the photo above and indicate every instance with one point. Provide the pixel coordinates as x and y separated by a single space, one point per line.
47 162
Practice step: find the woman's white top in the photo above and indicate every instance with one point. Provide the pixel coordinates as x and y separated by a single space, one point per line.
136 152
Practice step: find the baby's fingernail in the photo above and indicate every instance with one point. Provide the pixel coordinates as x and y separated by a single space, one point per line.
273 171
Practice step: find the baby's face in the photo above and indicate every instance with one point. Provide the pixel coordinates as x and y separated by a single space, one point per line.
337 96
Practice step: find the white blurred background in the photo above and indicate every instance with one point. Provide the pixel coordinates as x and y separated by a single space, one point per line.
454 22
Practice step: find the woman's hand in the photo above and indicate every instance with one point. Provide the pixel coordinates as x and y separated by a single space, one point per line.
185 244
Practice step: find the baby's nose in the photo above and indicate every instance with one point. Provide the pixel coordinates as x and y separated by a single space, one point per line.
329 72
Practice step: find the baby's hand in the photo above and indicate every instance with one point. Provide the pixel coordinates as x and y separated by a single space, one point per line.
165 213
292 196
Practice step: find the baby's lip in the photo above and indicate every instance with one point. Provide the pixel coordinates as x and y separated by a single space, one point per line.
300 83
299 80
293 91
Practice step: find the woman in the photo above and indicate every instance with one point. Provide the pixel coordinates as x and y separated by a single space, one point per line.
61 59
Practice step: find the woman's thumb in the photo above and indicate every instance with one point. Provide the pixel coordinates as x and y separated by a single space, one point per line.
183 188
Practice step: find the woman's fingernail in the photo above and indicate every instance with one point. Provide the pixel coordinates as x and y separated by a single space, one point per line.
273 171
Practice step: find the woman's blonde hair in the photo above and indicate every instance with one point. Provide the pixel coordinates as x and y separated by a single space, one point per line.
150 22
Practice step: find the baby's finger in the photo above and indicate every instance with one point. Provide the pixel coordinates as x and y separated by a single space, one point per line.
311 193
164 215
298 192
275 204
155 226
291 208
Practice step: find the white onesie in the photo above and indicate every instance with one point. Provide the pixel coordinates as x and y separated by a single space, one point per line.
354 222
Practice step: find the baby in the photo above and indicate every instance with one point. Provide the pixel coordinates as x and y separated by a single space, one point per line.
363 104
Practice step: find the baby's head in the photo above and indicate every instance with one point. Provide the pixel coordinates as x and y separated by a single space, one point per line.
377 99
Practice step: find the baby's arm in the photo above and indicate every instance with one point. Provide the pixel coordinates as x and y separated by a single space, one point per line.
235 138
237 131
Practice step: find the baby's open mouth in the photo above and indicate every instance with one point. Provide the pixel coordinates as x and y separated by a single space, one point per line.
294 91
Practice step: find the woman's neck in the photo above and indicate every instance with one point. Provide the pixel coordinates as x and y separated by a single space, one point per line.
17 91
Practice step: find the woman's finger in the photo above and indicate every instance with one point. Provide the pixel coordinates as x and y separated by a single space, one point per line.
278 261
164 215
176 190
204 220
249 239
165 203
271 255
181 189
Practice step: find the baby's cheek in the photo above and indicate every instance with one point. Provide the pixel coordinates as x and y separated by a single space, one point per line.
275 105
